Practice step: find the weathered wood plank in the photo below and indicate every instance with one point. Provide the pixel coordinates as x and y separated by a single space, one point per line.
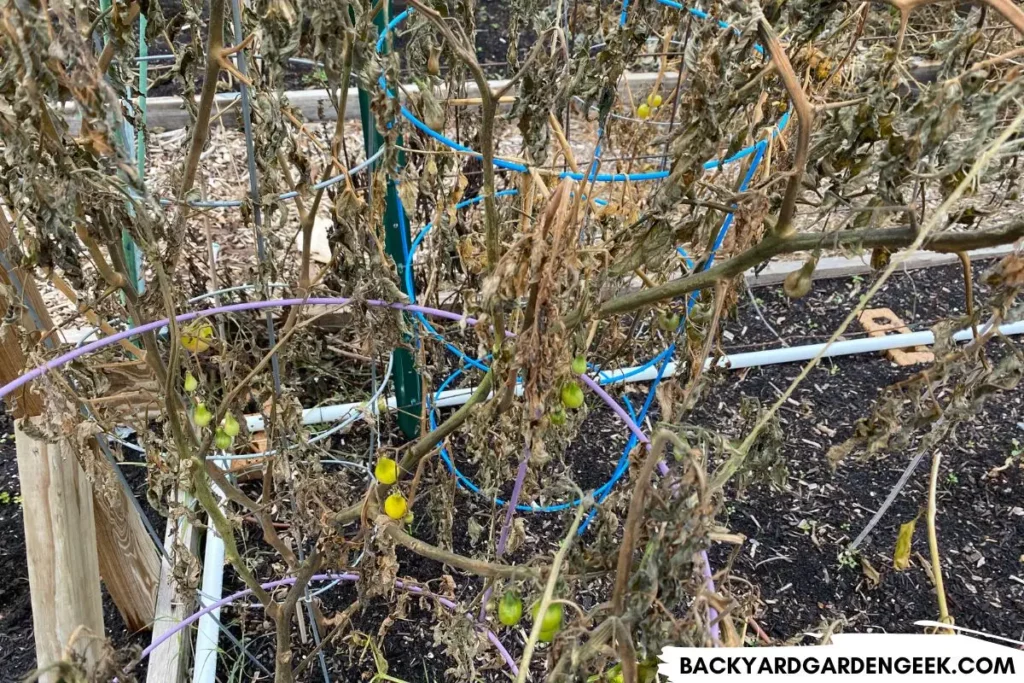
60 539
129 560
169 662
127 555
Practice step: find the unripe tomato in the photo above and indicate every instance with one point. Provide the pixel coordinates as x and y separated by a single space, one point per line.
546 636
557 417
434 61
510 609
823 69
221 440
579 365
202 415
386 471
191 383
230 425
395 506
796 285
572 396
669 322
552 620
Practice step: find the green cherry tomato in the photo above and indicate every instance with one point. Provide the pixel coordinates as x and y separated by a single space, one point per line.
510 609
572 396
669 321
191 383
230 425
221 440
547 636
202 415
557 417
579 365
552 620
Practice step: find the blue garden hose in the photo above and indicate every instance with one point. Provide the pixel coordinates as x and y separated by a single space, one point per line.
661 360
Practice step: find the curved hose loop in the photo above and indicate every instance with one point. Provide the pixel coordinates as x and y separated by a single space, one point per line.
661 360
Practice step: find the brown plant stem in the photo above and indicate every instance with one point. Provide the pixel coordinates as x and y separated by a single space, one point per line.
284 612
549 590
479 567
201 128
965 262
804 118
773 245
631 529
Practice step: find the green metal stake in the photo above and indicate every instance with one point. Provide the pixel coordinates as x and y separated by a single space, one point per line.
396 238
132 256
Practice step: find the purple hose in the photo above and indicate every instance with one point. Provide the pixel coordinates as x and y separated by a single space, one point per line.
86 349
510 513
270 585
716 630
232 308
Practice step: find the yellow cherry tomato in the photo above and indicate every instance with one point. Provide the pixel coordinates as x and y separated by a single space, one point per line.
196 337
643 111
654 100
395 506
386 471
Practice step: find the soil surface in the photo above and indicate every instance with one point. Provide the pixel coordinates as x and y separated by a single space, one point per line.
790 573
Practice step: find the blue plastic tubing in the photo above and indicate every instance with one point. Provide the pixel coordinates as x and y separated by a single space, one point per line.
661 360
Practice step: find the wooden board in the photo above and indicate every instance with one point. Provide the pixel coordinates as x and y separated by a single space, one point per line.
129 560
60 542
169 662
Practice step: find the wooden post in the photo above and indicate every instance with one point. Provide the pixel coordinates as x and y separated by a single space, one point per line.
128 558
168 663
60 539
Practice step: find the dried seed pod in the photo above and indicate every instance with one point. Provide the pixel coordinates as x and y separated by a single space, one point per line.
434 61
798 283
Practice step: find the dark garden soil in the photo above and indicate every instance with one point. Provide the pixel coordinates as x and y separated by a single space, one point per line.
796 533
790 573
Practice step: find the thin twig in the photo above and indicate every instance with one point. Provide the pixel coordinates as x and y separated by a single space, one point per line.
933 543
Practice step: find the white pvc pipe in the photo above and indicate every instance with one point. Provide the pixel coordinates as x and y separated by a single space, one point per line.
208 632
854 346
791 354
